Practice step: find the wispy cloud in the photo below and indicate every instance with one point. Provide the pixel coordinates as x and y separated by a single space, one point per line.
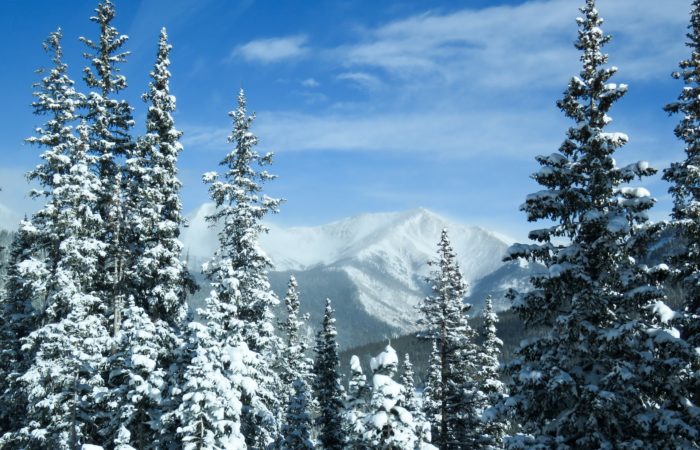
273 50
361 79
465 83
441 134
526 45
310 83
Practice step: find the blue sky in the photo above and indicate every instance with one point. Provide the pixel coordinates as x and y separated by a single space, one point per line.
369 106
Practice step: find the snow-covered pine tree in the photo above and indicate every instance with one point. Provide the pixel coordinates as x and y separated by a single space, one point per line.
240 208
445 322
420 425
23 293
600 376
298 423
36 254
293 363
294 372
432 393
137 380
68 352
685 179
389 425
409 386
110 121
157 277
356 406
328 390
209 414
57 100
490 390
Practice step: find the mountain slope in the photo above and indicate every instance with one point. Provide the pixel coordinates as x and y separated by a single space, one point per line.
383 257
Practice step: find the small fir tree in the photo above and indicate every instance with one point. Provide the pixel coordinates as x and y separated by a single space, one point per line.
18 318
298 424
294 372
328 390
490 391
209 414
388 423
356 405
432 393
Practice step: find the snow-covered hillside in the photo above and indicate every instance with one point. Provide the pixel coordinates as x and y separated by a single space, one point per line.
384 258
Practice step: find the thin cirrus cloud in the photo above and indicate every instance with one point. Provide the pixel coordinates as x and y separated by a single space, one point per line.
412 132
513 46
361 79
272 50
462 73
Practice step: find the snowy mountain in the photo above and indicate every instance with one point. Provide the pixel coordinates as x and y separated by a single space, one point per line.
373 266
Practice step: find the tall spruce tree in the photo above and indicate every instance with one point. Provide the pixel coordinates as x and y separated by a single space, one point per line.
685 189
445 322
110 120
68 352
57 100
328 390
600 376
241 206
35 280
158 277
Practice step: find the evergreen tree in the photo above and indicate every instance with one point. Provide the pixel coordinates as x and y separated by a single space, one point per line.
356 405
685 179
68 352
432 393
18 318
490 390
293 362
445 319
295 371
157 277
388 422
328 390
110 123
409 386
420 424
600 376
137 380
57 100
34 278
209 414
240 209
298 424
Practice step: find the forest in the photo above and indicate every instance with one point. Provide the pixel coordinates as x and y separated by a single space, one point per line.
99 348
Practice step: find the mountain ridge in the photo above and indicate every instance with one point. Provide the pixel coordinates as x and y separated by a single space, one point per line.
383 256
